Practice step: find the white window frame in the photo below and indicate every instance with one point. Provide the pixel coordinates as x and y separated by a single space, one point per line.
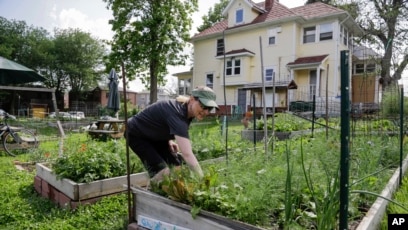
231 67
312 83
309 33
326 30
272 36
313 34
345 36
209 80
269 73
361 68
184 86
220 47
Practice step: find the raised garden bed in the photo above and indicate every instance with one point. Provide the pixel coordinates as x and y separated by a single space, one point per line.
153 211
66 192
249 134
375 214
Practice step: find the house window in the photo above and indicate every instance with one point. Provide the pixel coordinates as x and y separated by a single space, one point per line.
185 86
233 67
370 68
345 38
326 31
312 84
239 16
210 80
272 40
359 68
272 37
309 34
364 68
268 74
220 47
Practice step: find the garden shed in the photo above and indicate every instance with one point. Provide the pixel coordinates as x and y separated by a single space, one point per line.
36 109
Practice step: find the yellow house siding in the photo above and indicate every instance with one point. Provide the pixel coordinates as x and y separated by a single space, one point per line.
287 27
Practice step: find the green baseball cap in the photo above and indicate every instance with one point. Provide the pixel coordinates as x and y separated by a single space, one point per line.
206 96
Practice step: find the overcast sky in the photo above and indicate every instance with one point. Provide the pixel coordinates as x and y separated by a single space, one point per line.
90 16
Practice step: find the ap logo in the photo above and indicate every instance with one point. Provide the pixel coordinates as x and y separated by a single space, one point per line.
397 221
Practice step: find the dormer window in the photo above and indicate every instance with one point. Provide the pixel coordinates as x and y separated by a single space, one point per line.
239 16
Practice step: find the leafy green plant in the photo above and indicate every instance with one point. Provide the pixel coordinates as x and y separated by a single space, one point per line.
89 162
325 205
22 208
283 122
390 106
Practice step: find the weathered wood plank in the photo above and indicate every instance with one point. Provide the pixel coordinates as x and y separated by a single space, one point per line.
99 131
153 206
81 191
67 187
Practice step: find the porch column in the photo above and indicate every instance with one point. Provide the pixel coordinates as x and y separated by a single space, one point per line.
318 81
291 92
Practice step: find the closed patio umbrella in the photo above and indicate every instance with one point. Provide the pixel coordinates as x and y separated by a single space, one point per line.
114 97
12 73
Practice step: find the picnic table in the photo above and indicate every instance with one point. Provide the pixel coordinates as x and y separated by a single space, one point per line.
108 128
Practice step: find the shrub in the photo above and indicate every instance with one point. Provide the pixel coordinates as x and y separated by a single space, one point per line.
283 123
89 162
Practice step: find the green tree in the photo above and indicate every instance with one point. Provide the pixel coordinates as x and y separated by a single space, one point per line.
25 44
12 38
214 15
78 61
385 25
149 36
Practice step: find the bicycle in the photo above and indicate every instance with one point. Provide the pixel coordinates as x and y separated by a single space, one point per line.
16 140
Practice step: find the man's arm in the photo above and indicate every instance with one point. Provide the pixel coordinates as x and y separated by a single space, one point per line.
184 145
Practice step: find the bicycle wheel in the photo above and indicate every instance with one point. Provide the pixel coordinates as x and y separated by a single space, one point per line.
19 142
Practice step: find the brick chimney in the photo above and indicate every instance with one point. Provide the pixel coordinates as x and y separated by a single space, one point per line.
268 4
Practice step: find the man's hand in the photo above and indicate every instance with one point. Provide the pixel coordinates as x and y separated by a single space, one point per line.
173 147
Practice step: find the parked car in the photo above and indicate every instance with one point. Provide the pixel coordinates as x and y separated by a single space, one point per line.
62 116
77 114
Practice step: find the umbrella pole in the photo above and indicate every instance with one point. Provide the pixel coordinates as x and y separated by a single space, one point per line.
130 213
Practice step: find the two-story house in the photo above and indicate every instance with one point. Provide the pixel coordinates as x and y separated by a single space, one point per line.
143 97
294 54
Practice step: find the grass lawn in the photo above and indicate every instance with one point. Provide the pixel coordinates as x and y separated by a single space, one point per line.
22 208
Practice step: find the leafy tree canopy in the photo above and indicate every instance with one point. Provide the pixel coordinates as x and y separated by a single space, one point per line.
150 35
213 16
71 60
78 58
385 25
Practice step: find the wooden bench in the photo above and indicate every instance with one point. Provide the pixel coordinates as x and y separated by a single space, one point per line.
103 134
105 129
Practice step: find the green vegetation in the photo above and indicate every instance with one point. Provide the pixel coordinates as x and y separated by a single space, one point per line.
294 187
283 123
22 208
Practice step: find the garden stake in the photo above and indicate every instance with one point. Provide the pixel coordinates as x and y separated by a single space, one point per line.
265 138
130 214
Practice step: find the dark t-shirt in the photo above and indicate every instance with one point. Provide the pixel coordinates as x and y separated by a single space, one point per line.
161 121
